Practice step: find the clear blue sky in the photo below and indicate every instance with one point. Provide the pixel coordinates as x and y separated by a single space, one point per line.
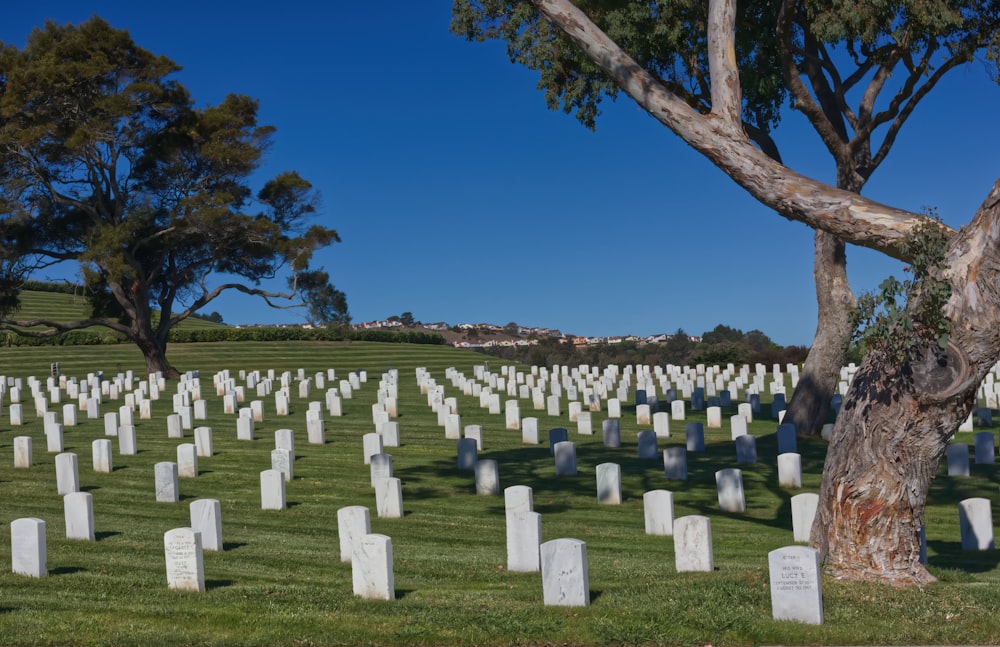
460 197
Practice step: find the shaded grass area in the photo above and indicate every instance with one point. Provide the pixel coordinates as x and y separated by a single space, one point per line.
280 581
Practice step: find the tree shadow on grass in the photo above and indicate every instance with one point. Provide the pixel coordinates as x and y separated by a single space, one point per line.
951 556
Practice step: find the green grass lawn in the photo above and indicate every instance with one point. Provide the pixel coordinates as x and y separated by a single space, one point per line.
280 581
67 307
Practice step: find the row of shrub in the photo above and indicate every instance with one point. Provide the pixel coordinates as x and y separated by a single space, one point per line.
252 333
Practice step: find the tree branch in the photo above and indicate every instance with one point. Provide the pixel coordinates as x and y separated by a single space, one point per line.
842 213
727 95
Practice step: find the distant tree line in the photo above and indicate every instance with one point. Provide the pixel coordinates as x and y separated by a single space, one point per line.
721 345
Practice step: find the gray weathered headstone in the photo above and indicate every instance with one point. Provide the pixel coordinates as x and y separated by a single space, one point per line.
609 483
203 441
282 461
187 460
372 568
565 458
985 448
658 511
729 483
786 438
487 477
67 473
565 581
803 514
957 456
380 468
694 434
790 469
22 452
557 435
389 498
165 474
648 449
746 449
675 463
693 544
206 518
975 521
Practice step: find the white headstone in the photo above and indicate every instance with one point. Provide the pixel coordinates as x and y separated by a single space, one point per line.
693 544
975 521
206 518
272 490
28 553
353 523
658 510
185 566
796 589
372 568
166 482
101 454
803 514
565 581
78 511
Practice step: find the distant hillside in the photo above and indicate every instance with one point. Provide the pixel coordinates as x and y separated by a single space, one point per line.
69 307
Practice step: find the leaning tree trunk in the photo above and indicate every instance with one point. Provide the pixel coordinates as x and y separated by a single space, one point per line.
898 418
810 401
154 350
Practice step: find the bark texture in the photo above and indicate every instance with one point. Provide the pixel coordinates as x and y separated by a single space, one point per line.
897 420
810 401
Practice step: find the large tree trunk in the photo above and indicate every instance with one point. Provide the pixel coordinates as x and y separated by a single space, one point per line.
156 359
872 509
810 402
898 418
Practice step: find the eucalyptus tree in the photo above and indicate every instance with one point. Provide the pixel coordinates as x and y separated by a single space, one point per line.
707 84
106 163
857 72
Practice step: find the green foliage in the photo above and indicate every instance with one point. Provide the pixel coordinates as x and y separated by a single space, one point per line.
108 163
326 304
905 316
666 38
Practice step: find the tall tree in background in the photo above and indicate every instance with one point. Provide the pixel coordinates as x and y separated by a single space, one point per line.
856 72
920 379
105 162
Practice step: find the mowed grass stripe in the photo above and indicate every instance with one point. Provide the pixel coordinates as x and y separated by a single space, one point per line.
280 581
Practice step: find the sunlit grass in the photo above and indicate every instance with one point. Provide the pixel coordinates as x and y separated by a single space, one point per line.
280 581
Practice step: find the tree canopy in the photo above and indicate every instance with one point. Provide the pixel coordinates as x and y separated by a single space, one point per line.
106 162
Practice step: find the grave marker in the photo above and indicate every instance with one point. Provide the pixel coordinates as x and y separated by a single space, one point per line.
565 581
796 591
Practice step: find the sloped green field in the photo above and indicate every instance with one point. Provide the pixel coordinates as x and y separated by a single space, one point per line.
279 580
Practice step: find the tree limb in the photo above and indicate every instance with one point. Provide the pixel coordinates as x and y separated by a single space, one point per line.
842 213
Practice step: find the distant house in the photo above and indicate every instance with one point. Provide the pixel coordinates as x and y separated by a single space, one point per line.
440 325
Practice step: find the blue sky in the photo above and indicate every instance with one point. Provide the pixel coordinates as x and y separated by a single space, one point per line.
460 197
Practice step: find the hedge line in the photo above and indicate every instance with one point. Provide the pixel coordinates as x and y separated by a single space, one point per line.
255 333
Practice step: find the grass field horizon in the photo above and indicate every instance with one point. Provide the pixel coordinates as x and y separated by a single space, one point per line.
280 581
